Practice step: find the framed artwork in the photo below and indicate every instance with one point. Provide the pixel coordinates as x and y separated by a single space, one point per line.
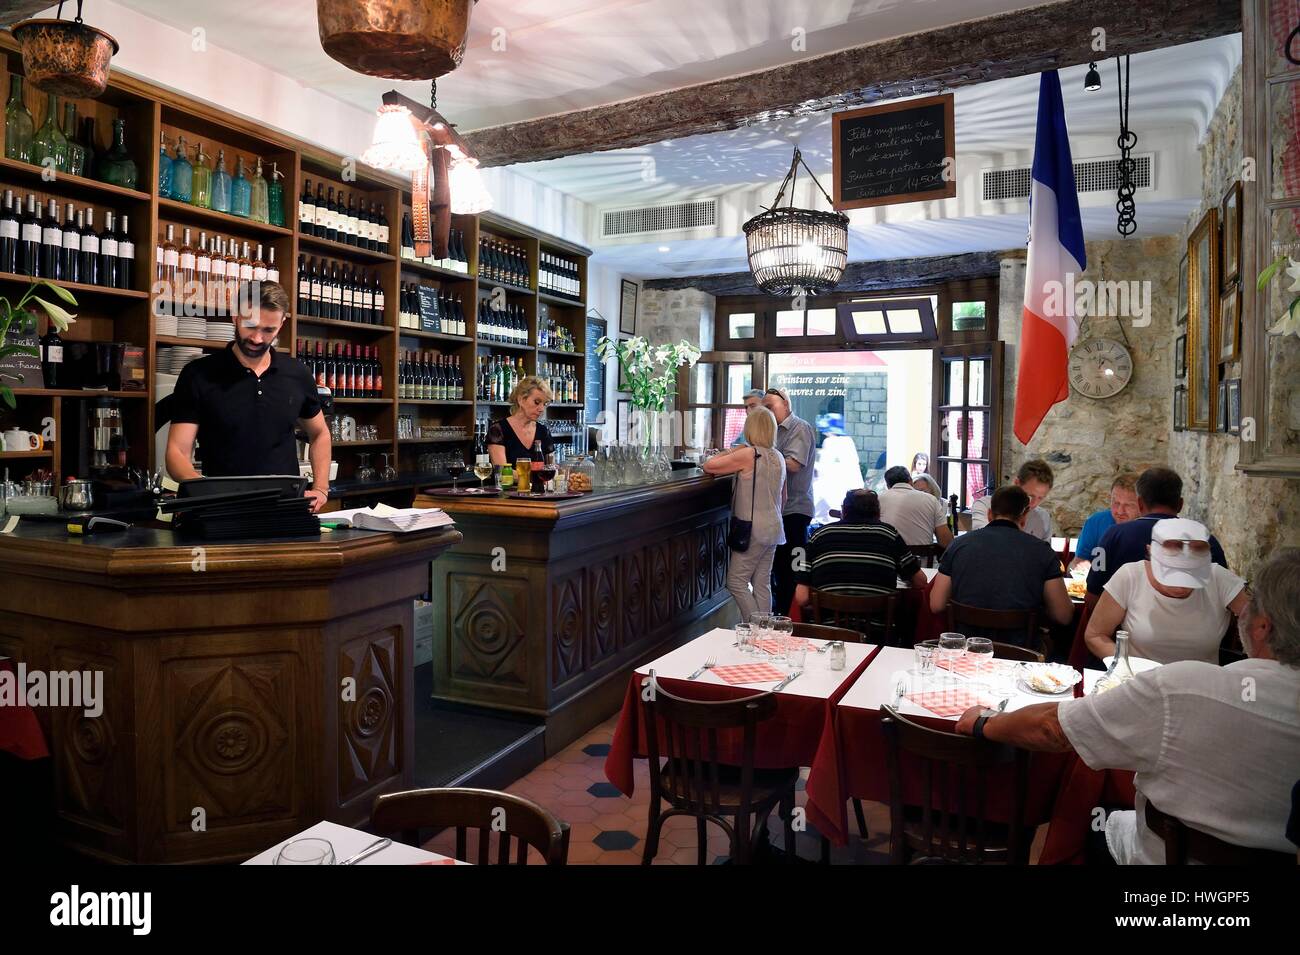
1180 357
627 308
1234 406
1221 421
1203 323
1230 213
1230 324
1180 408
1181 317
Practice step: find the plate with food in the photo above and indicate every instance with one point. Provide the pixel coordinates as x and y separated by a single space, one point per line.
1047 679
1076 587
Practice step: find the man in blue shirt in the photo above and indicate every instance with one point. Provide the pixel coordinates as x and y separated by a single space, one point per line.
752 400
1123 508
1160 495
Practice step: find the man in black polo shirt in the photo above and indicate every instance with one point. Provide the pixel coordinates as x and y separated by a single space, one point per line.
1000 568
1160 495
244 402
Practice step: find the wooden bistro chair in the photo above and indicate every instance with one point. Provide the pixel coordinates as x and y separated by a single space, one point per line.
1011 621
927 554
817 631
1183 844
526 824
1009 651
682 745
861 613
955 828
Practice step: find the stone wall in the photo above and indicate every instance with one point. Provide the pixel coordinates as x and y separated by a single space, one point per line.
1089 441
1251 516
666 316
866 417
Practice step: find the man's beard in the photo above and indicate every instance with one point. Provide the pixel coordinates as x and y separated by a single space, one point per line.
250 350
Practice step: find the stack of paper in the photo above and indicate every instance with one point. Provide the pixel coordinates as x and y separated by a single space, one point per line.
381 517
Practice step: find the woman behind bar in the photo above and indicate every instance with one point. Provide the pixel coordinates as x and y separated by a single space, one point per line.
512 437
765 491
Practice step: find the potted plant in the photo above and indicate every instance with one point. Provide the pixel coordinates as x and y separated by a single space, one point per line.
651 376
1288 323
21 316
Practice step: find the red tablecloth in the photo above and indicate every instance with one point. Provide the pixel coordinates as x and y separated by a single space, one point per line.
851 763
1081 791
20 733
792 737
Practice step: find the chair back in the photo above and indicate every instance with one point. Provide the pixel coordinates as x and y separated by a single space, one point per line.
817 631
682 742
927 554
1080 656
866 614
982 620
515 821
1183 844
1230 647
1009 651
954 825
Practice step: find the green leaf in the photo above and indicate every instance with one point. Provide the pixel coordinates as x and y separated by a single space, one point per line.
8 396
61 292
1267 275
58 314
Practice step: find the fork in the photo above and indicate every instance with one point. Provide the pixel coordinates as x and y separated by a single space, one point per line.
709 664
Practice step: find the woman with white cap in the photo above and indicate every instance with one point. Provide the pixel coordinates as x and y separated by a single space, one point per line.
1175 606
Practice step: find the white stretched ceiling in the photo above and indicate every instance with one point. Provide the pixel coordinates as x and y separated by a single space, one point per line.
542 57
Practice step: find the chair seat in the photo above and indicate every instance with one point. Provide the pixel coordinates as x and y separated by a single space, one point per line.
997 836
769 786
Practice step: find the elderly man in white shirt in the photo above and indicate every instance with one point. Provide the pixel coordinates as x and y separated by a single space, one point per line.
1216 747
1035 478
919 518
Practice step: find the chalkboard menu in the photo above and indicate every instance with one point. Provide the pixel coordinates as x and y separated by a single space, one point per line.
898 152
595 370
430 310
20 372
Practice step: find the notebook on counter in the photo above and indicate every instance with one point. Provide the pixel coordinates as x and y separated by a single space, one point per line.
381 517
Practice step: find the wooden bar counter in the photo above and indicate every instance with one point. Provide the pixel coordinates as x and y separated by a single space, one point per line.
549 604
228 722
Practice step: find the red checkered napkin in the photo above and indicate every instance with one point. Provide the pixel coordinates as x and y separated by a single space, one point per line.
437 862
953 701
965 665
748 673
769 645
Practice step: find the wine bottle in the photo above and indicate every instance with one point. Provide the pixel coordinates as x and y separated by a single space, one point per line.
8 235
272 270
215 298
171 260
51 243
70 253
108 264
306 210
76 151
321 213
51 346
185 259
49 145
303 305
382 231
20 127
202 275
408 237
125 253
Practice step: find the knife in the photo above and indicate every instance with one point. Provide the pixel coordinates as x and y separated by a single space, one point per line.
787 681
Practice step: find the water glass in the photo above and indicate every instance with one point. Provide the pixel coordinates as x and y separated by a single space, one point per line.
925 651
761 622
306 852
783 634
951 647
795 654
981 654
744 638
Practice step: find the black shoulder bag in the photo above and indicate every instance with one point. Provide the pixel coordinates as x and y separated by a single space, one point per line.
738 531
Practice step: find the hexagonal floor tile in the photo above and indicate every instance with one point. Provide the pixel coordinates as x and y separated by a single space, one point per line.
616 839
596 749
604 790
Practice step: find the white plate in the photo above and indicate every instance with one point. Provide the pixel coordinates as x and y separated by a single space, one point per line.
1068 676
1139 664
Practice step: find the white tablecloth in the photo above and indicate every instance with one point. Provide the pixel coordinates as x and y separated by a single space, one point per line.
347 842
817 680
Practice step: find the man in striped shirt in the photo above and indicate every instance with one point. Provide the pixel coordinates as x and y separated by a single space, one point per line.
858 555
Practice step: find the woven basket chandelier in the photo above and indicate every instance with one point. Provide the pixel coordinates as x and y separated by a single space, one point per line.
797 249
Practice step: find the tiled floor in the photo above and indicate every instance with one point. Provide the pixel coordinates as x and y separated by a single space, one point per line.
608 828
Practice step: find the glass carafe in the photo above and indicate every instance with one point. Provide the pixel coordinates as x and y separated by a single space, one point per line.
76 151
1121 671
182 174
116 166
240 192
20 127
202 193
221 184
258 201
275 197
49 142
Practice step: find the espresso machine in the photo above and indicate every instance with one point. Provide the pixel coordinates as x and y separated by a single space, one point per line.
102 455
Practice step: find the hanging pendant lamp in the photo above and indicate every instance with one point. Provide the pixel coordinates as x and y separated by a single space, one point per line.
797 249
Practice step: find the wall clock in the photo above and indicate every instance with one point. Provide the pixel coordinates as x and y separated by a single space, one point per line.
1100 368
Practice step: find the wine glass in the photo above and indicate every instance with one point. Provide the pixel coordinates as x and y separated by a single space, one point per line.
783 632
306 852
482 470
980 650
455 467
364 471
544 476
388 472
951 647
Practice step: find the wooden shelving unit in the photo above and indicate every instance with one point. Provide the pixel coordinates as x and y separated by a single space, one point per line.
104 314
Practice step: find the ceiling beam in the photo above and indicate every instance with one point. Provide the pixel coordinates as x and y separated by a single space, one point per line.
860 276
15 10
1011 44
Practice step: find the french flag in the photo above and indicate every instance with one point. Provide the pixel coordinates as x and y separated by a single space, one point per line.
1055 250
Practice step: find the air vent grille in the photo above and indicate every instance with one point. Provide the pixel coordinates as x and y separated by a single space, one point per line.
696 214
1093 175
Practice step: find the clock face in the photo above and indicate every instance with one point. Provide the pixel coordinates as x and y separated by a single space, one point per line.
1100 368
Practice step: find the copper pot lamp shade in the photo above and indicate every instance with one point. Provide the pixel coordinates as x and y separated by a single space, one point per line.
65 57
398 39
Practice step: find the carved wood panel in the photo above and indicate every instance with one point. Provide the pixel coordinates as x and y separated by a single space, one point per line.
228 724
634 596
602 610
721 554
369 741
487 630
659 558
92 762
703 562
683 583
567 628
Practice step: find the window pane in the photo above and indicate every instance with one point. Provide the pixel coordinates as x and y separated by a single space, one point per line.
821 321
869 322
977 434
955 387
905 321
950 438
789 323
702 383
701 435
732 425
979 381
977 480
952 480
742 325
739 380
968 317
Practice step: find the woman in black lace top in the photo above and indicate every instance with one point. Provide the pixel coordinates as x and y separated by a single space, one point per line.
511 438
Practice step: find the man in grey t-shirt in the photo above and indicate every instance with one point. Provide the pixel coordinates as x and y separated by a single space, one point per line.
796 441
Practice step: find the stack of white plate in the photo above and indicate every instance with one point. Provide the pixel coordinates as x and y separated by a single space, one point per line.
172 360
191 327
165 325
220 332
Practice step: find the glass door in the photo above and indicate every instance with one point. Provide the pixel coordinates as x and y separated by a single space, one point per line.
711 396
968 426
